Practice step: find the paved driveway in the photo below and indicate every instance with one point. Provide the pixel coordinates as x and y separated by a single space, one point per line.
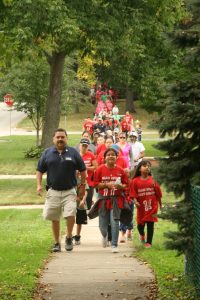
9 119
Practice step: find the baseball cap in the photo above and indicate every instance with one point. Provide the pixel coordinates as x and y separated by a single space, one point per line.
84 142
115 147
133 133
116 130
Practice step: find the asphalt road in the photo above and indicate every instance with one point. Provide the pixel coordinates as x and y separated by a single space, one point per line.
9 118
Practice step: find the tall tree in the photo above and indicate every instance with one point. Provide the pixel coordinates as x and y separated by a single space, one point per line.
180 119
141 58
50 27
58 27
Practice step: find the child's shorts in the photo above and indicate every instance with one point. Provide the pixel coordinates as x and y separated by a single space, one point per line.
81 216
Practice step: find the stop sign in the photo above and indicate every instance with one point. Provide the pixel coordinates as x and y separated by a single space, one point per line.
8 99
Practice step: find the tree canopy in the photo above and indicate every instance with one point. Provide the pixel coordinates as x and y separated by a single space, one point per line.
126 36
180 119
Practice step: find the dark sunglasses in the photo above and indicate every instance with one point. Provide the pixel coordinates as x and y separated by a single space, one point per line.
122 137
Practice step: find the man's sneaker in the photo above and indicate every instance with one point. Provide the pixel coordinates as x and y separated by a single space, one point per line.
77 239
68 244
115 249
104 241
147 245
142 239
56 247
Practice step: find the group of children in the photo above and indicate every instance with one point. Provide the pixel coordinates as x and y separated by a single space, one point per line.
114 186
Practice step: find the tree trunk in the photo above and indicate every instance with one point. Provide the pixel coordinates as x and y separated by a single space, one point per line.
38 127
53 105
76 106
130 100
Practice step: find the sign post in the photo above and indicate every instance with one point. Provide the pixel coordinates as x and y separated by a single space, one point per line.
8 100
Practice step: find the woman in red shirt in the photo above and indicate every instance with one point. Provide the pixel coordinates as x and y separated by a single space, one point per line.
111 181
147 195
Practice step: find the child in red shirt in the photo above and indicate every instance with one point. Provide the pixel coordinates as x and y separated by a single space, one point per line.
110 180
147 195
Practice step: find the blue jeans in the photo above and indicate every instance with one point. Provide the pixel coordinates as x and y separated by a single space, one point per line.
104 221
123 227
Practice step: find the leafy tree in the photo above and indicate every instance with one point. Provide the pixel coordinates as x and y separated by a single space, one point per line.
180 118
142 57
57 28
75 89
27 81
50 28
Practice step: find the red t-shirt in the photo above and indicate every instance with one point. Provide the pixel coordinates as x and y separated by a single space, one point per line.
128 118
147 192
120 162
125 126
88 125
88 158
100 148
105 174
98 95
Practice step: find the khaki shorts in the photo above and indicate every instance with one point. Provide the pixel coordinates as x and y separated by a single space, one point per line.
58 203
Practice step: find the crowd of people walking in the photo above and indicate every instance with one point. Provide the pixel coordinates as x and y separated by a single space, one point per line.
107 165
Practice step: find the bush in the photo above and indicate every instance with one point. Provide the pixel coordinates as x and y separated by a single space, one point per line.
34 152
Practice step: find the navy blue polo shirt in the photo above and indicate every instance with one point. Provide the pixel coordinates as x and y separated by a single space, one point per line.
61 167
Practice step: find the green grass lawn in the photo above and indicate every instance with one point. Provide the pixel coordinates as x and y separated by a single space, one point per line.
13 148
167 266
23 191
24 247
19 191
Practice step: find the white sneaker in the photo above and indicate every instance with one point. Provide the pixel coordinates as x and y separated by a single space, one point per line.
115 249
104 242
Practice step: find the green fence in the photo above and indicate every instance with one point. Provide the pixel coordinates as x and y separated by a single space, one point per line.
192 261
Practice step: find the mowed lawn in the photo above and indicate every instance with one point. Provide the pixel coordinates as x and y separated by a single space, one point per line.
23 191
13 149
19 191
167 266
24 247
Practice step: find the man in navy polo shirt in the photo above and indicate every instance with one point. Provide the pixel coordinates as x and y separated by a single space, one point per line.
61 162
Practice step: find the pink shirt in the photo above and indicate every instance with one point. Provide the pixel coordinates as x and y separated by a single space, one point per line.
126 153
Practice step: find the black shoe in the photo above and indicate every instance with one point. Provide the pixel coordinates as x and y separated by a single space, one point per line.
68 244
77 239
56 248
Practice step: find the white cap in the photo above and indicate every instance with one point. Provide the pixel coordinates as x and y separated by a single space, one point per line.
133 133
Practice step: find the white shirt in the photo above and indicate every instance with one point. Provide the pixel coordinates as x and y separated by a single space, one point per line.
136 149
115 110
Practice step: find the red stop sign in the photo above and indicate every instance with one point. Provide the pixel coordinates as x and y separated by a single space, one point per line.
8 99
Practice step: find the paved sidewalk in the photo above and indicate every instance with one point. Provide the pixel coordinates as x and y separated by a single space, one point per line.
92 272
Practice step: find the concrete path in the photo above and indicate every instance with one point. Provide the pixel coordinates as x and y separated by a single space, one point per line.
92 272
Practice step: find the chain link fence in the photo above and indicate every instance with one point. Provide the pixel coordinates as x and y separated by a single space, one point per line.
192 260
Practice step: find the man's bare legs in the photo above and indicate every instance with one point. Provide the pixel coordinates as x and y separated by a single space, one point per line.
56 230
56 234
70 225
69 240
